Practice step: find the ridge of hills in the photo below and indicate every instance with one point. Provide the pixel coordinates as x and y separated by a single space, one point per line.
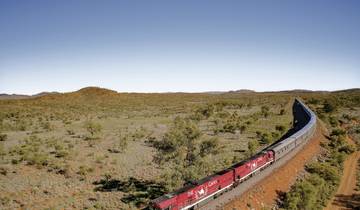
92 91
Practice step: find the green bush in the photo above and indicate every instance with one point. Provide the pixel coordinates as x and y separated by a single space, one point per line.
325 171
348 149
338 132
301 196
264 138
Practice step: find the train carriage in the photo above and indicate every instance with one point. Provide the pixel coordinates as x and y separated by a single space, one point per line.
246 168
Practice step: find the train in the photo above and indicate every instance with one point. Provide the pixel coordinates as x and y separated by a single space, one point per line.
196 193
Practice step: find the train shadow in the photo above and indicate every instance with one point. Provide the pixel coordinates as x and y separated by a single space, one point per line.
281 195
299 121
137 192
347 201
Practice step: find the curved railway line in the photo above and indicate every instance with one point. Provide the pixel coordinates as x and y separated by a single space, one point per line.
241 176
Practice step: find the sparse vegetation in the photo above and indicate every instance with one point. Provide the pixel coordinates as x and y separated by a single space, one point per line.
191 135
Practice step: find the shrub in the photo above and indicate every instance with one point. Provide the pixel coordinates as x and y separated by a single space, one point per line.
183 133
229 127
282 112
59 168
2 149
242 128
209 146
264 138
70 132
337 159
121 145
21 125
338 132
252 146
329 107
333 121
325 171
280 128
3 171
301 196
38 159
84 170
139 134
47 126
203 112
93 128
313 101
348 149
61 153
265 111
3 137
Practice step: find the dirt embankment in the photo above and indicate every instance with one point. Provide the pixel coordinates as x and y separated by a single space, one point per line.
346 196
265 193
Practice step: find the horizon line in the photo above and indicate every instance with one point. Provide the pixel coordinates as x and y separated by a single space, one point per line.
167 92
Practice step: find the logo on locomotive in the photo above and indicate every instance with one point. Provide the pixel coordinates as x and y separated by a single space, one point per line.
253 166
201 192
212 183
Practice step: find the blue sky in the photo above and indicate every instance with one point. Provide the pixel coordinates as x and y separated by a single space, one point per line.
160 46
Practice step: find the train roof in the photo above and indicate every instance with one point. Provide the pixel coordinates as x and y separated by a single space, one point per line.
167 196
247 160
190 185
